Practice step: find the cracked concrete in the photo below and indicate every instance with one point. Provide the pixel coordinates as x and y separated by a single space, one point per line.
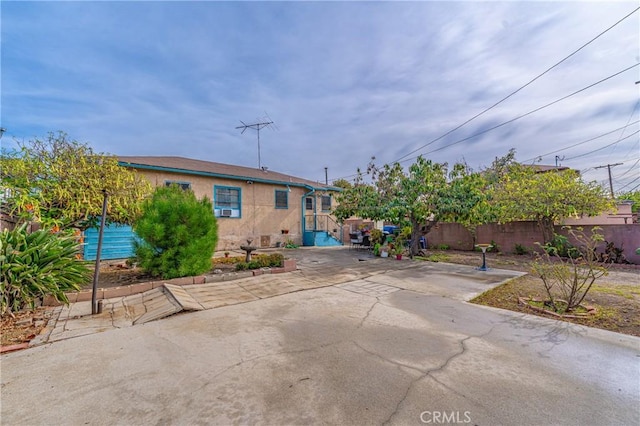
381 345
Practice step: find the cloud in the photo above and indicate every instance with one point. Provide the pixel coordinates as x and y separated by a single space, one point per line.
343 81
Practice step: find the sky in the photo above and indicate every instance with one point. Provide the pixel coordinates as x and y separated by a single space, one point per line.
342 82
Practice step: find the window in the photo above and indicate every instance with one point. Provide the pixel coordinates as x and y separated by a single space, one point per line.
183 185
326 203
282 199
308 203
227 201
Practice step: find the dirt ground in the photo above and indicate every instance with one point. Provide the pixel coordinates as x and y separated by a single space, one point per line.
616 296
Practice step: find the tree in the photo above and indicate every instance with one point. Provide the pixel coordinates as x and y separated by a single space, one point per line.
342 183
58 182
179 233
632 196
573 276
418 197
465 199
523 194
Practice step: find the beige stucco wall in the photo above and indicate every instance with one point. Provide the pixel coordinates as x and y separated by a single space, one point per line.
260 219
620 217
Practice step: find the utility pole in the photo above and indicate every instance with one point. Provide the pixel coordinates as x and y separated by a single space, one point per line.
256 126
609 166
326 176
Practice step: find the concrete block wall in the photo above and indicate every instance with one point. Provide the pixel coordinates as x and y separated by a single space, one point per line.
527 234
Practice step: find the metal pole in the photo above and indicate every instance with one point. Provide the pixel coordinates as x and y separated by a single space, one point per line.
96 272
326 176
259 162
609 166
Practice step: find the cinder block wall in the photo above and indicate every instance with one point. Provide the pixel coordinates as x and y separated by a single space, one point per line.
527 234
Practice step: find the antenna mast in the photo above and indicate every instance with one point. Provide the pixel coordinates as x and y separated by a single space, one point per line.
257 127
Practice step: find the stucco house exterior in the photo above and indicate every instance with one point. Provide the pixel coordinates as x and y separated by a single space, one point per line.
267 207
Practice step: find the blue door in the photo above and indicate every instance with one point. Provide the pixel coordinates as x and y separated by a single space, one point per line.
117 242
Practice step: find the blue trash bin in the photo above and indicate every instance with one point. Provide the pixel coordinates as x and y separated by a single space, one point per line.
423 243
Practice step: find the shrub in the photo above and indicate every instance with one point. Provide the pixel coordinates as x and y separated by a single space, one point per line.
521 250
178 232
442 247
561 247
376 236
262 261
571 277
290 244
38 264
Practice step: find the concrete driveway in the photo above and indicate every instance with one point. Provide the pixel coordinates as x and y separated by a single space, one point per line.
388 343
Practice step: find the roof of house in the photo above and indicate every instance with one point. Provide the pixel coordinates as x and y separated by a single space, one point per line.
541 168
209 168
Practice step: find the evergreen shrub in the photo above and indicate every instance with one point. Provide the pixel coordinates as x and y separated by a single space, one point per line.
178 234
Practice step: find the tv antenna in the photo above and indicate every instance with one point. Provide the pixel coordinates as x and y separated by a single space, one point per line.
257 127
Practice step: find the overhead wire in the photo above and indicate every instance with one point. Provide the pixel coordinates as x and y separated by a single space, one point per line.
526 114
402 159
630 168
579 143
625 127
520 88
601 148
629 183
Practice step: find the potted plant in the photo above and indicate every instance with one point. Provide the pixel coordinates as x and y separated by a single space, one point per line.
398 248
398 252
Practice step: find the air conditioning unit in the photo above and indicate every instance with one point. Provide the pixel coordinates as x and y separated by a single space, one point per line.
226 212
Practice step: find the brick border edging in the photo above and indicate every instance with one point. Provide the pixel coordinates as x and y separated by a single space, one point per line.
112 292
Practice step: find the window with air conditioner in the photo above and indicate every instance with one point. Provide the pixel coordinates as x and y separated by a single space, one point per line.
227 201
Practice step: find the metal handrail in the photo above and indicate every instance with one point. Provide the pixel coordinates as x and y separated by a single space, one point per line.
324 222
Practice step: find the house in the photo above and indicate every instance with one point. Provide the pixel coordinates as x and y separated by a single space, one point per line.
261 205
621 216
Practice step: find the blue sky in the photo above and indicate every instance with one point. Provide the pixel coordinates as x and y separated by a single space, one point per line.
343 81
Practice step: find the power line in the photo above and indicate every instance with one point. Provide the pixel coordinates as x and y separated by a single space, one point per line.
601 148
629 169
511 94
519 89
625 127
629 183
609 166
580 143
528 113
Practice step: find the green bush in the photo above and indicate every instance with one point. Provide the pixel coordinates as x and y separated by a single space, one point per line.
179 234
38 264
262 261
561 247
290 244
521 250
376 236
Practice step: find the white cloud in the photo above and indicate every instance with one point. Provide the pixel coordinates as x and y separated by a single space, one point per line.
342 81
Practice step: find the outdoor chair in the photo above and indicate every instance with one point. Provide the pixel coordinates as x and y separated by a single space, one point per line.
366 242
356 240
